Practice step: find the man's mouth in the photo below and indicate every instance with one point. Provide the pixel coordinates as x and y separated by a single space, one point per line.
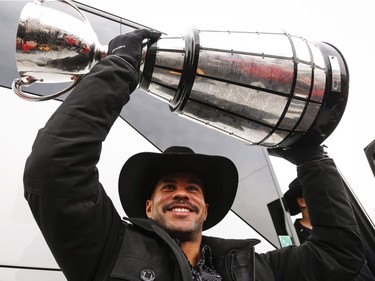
180 210
185 207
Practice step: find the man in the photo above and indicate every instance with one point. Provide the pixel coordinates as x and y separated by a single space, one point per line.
170 199
296 204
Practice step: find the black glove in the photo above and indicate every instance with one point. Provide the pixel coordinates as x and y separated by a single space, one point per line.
299 154
129 46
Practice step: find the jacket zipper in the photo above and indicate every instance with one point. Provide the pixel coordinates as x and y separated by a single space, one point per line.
231 267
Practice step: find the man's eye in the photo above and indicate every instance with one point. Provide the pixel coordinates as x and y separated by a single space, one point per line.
192 188
168 187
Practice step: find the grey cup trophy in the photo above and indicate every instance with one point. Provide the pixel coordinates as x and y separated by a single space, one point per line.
271 89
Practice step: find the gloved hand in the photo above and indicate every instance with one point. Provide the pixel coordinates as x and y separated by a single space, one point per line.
129 46
299 154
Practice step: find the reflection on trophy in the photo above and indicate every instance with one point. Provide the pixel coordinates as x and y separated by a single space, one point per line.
265 88
54 47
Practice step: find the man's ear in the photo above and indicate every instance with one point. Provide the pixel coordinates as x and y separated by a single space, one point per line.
206 211
301 202
148 208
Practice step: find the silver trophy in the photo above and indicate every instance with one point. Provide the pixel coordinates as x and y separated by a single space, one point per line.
271 89
54 47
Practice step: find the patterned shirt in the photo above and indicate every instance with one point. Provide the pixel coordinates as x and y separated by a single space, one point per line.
204 270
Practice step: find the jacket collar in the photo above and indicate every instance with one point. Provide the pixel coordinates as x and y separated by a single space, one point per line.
152 226
213 242
221 248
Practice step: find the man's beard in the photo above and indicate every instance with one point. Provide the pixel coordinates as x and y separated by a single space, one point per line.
183 235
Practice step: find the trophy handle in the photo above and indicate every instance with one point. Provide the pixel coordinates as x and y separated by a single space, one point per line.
37 76
18 83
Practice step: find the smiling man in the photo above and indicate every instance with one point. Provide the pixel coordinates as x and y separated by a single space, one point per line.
169 197
178 205
177 191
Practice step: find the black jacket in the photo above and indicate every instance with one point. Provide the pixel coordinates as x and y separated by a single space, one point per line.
90 241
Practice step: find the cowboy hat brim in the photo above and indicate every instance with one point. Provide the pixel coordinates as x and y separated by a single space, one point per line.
141 172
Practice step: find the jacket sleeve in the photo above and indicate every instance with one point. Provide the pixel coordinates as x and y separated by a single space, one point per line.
76 217
335 251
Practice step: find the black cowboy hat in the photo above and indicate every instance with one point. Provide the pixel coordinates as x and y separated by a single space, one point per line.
294 192
141 172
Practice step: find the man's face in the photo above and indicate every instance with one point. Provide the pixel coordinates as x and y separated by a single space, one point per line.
177 205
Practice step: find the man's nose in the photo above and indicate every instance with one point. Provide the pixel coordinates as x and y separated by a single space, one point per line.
180 194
